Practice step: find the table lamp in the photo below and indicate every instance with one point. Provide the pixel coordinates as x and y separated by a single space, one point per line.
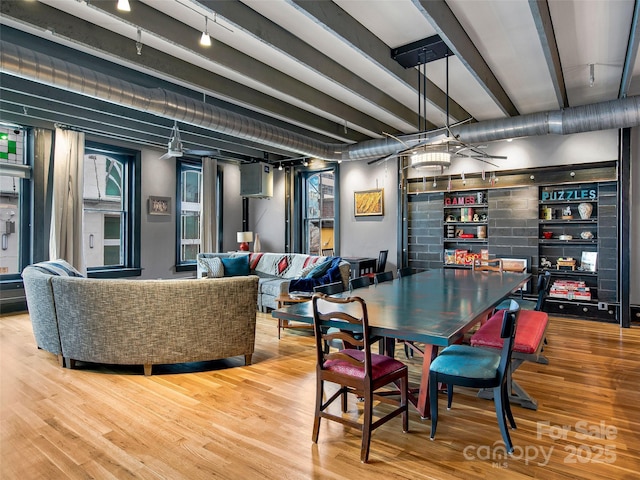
243 239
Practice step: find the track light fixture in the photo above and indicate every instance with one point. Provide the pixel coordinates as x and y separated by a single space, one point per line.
205 39
139 43
123 6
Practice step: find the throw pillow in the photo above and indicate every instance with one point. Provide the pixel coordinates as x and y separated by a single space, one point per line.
213 266
307 270
237 266
319 270
58 267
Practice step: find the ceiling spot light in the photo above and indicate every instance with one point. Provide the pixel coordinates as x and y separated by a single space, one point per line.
280 167
592 74
205 39
139 43
123 6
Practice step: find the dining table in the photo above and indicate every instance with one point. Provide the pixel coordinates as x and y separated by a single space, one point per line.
434 308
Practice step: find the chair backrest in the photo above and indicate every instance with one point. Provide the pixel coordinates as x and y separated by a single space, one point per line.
383 277
543 290
508 333
491 265
406 271
352 312
359 282
382 261
329 288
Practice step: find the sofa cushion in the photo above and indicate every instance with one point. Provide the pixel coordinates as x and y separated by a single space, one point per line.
236 266
213 266
57 267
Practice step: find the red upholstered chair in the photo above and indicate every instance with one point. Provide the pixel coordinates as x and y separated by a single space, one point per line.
530 336
357 371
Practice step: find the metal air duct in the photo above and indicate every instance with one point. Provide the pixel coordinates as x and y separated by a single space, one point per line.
38 67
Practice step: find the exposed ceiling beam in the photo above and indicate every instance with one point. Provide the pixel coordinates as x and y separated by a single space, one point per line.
632 52
544 26
353 33
247 19
53 105
438 13
121 49
164 26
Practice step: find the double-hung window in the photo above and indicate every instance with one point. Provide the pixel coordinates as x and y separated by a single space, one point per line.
189 211
111 239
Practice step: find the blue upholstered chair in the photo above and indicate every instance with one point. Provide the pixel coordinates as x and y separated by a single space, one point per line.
468 366
356 370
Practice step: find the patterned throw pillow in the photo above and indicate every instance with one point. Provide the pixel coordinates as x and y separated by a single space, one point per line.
213 266
307 270
58 267
320 269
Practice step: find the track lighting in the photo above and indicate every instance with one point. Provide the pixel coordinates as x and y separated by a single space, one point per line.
139 43
123 6
205 39
280 166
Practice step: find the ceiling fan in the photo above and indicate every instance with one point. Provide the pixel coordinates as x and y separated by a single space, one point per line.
175 148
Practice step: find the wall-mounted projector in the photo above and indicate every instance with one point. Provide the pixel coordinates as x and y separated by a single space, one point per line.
256 180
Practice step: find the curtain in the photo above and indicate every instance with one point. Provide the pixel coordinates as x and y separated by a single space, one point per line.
65 240
208 224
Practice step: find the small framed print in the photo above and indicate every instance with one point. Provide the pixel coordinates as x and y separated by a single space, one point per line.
159 205
369 203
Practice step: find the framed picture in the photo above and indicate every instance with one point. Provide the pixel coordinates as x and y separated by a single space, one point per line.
369 203
159 205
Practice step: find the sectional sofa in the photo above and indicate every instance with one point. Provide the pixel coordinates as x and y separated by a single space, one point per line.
142 322
279 271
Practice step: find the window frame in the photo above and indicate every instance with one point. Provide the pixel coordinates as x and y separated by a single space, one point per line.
182 165
132 225
300 206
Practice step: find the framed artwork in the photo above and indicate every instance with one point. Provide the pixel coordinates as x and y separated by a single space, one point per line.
369 203
159 205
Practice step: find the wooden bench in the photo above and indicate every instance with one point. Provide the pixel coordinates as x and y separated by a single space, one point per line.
530 334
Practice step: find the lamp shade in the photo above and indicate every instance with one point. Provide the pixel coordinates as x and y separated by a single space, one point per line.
434 158
243 239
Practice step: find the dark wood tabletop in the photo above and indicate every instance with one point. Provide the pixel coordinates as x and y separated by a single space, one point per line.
435 307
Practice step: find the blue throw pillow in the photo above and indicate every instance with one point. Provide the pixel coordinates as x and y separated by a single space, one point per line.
320 269
236 266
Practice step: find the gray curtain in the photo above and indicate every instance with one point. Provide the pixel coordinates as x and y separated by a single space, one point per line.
208 219
67 203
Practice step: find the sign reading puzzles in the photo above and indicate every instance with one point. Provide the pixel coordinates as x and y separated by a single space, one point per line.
570 194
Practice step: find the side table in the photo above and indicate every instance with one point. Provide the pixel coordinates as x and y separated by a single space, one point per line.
283 300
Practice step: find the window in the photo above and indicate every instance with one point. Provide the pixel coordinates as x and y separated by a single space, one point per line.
14 187
111 210
319 212
189 210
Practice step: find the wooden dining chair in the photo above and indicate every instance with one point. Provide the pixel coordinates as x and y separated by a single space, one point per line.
381 264
473 367
359 282
382 277
357 370
406 272
330 288
490 265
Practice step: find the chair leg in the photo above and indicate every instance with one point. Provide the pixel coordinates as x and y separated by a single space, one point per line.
433 402
507 408
498 398
344 399
449 396
366 426
404 388
316 419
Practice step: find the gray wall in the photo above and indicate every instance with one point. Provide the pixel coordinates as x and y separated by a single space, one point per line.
267 216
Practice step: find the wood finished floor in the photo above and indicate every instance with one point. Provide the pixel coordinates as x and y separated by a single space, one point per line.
225 421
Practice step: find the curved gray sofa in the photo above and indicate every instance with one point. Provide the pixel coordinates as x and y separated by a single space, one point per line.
145 322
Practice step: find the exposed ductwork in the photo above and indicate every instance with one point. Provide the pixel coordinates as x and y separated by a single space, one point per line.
41 68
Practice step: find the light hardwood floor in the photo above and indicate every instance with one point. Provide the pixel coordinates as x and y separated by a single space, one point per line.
223 420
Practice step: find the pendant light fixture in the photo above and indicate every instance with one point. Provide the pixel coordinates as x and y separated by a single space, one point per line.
205 39
123 6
